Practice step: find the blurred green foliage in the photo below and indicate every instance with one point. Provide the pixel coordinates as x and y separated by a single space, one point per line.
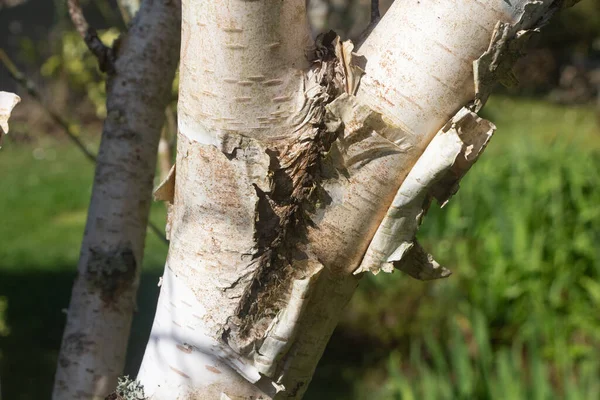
576 29
521 311
74 63
516 372
518 319
45 189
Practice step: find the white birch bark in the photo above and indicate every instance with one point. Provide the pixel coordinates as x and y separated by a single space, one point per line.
8 101
287 183
94 342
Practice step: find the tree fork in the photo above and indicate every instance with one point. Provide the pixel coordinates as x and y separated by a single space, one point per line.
291 179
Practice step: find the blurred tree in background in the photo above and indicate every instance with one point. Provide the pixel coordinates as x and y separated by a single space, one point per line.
520 316
564 64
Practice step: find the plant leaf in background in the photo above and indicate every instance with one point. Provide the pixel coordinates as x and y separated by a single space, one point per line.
78 66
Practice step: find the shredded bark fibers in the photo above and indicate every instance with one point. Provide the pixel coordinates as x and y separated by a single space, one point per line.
282 212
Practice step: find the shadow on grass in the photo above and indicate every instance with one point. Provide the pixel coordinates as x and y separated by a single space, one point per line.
36 321
35 316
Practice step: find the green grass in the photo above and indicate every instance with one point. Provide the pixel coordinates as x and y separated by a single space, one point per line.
522 305
44 193
517 319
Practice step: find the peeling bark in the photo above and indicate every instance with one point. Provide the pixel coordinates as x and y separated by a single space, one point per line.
435 175
298 166
94 344
8 101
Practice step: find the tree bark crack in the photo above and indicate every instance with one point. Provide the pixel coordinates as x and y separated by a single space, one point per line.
282 212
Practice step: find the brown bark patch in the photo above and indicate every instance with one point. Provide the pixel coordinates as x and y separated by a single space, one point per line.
111 271
282 212
212 369
178 372
78 343
74 345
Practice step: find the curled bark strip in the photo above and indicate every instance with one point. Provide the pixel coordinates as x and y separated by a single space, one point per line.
453 150
166 192
105 55
166 189
436 174
351 63
420 265
507 45
282 331
8 101
495 65
28 85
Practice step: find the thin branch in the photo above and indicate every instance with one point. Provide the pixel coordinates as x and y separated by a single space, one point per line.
375 18
158 232
375 15
104 54
30 87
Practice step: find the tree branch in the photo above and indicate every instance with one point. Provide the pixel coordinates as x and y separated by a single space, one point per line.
105 55
30 87
375 18
375 15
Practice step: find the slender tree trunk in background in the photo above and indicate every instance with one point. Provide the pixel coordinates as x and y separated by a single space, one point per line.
94 343
289 181
129 9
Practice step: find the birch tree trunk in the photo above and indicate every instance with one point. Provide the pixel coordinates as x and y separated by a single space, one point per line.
292 179
93 348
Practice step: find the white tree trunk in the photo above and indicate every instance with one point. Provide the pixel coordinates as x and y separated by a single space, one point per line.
287 183
102 303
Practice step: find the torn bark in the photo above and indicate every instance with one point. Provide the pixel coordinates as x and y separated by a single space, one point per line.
8 101
435 175
103 299
290 176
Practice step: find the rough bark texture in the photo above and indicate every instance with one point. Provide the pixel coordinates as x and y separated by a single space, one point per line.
289 179
103 299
